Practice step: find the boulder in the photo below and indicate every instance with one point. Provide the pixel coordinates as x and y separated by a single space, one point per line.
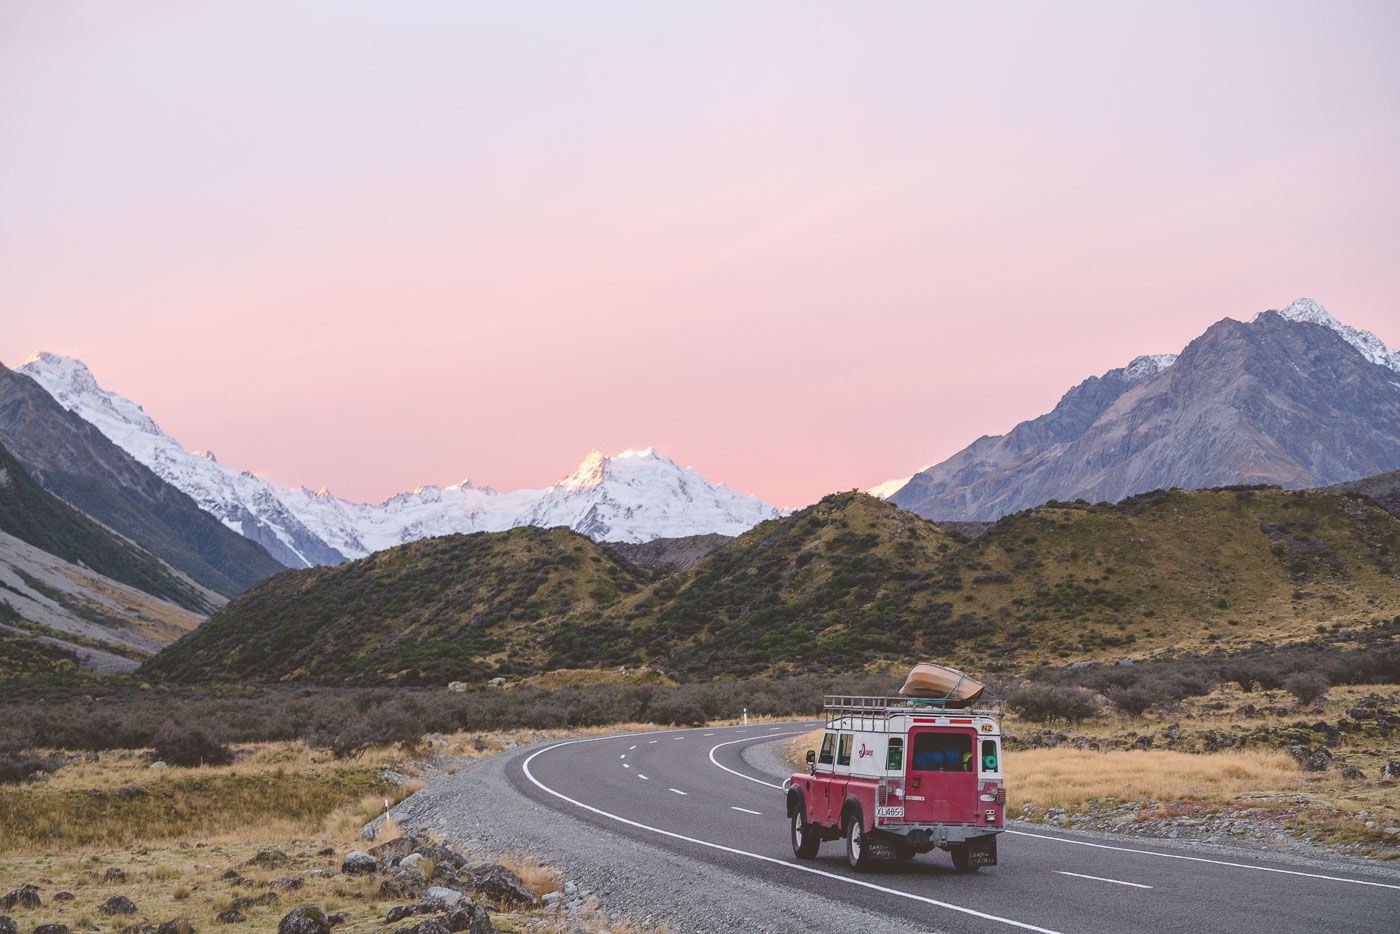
7 925
131 792
114 875
51 929
269 856
429 926
1300 753
496 882
337 918
411 861
1351 773
1320 760
398 847
63 896
305 919
176 926
443 896
26 896
357 861
230 916
117 905
139 929
457 687
468 916
405 883
289 883
1391 770
254 901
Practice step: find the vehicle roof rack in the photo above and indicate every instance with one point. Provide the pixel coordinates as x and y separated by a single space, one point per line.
877 710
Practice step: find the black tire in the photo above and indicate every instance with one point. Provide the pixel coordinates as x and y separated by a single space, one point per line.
857 853
960 860
805 839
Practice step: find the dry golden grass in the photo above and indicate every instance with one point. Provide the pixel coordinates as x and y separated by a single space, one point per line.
1065 778
538 878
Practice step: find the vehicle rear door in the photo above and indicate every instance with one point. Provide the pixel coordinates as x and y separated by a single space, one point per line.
842 777
941 775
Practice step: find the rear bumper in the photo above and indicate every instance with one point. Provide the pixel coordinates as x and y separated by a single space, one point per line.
936 835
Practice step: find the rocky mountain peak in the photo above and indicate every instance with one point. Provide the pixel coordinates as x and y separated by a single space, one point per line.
1310 311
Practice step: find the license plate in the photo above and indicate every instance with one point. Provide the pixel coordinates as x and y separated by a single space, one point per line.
889 812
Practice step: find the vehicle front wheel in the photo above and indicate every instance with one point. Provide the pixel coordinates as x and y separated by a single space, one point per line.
960 859
857 851
805 838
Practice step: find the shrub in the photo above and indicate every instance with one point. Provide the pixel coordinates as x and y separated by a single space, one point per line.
1307 686
190 747
1047 703
1135 700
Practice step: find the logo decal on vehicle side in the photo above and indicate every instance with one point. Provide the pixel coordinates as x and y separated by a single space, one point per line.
863 752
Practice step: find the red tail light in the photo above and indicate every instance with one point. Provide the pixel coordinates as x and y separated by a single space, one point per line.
882 794
1001 796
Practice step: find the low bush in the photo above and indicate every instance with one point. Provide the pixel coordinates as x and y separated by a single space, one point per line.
1048 703
1307 686
190 747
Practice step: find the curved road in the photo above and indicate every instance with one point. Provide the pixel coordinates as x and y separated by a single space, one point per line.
692 792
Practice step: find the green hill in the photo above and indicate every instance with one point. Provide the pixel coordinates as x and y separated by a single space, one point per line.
439 609
849 583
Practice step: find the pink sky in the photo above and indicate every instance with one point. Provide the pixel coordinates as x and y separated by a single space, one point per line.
802 247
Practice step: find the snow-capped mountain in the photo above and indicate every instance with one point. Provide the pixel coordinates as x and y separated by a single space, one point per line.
636 496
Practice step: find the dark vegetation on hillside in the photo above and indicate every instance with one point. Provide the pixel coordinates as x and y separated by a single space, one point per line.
848 584
33 515
349 719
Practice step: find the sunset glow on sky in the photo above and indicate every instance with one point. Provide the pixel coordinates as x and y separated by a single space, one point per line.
803 247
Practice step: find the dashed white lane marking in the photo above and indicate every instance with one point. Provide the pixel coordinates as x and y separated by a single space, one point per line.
630 748
626 766
1080 875
650 741
709 734
525 767
735 807
772 728
1202 859
623 756
642 777
676 790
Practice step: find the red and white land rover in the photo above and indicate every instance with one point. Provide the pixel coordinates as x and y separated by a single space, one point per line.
896 776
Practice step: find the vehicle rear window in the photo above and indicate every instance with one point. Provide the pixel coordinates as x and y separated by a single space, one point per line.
894 756
942 752
844 756
828 749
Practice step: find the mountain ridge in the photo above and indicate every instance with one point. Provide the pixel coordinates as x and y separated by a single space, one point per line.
1282 400
635 496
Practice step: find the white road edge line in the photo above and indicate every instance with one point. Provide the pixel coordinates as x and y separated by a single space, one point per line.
759 856
676 790
735 807
1105 846
1080 875
741 774
1202 859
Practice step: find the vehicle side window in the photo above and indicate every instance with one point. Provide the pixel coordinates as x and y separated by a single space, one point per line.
989 755
894 756
844 756
828 752
942 752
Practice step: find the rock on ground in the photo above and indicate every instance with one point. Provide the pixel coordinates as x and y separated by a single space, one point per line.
305 919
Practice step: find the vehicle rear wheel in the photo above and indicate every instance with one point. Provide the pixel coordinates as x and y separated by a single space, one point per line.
960 859
805 838
857 852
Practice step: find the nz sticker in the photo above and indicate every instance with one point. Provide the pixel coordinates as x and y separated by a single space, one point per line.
889 812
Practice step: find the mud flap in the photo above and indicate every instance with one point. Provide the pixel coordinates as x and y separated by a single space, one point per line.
982 851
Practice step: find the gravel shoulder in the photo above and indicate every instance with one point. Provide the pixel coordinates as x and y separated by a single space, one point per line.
481 812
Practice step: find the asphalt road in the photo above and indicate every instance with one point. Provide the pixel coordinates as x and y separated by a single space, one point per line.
693 793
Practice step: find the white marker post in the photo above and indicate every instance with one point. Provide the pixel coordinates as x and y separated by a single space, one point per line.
746 716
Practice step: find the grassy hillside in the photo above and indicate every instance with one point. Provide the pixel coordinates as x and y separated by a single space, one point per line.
32 514
850 583
440 609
